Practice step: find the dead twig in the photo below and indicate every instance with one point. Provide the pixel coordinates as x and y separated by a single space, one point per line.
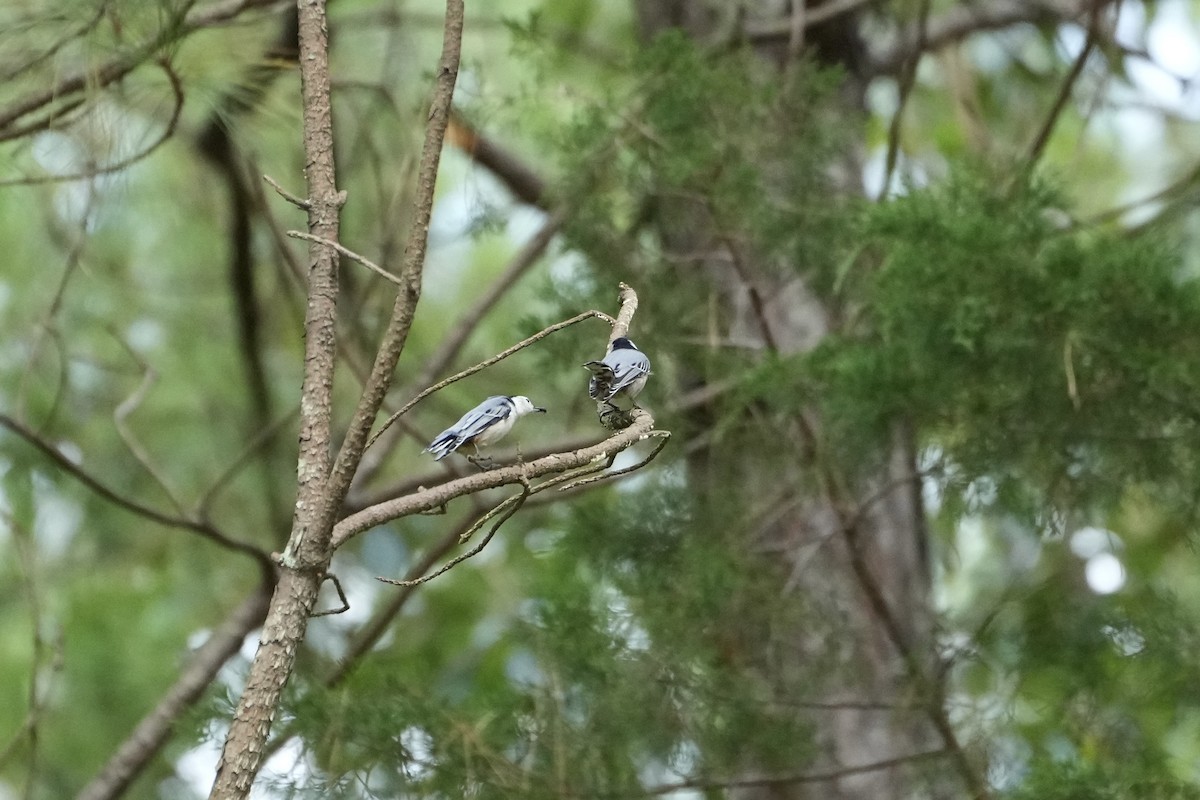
348 253
205 529
506 508
298 202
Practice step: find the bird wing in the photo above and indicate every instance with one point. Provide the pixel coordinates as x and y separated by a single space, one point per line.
619 369
601 380
626 366
470 425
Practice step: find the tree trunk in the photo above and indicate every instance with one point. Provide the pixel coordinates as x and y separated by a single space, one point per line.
855 551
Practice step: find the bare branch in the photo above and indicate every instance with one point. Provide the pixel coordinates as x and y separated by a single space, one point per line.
801 777
439 470
298 202
425 499
205 529
167 133
628 299
155 729
396 335
506 508
322 480
348 253
525 184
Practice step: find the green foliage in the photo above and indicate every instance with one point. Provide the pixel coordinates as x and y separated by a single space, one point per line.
1022 351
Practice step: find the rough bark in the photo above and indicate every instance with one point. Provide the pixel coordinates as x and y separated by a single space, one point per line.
323 480
307 553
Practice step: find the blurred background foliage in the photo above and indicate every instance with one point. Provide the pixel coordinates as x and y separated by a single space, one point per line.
1034 325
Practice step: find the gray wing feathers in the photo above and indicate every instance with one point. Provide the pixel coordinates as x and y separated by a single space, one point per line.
619 370
473 423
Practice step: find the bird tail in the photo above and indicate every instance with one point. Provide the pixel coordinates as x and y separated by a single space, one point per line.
443 446
600 386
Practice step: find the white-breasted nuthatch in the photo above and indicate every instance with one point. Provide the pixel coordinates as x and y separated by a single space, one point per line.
623 372
483 424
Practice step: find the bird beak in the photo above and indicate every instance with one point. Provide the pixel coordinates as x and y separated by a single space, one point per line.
539 410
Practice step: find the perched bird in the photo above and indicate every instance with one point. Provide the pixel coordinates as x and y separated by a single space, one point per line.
483 424
622 372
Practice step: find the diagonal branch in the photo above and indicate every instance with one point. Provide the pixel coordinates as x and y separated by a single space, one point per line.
323 480
505 509
348 253
1064 92
966 20
205 529
152 733
426 499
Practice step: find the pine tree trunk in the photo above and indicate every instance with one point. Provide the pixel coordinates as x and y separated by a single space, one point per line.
858 552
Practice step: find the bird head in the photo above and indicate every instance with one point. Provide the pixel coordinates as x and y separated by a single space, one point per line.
523 405
622 343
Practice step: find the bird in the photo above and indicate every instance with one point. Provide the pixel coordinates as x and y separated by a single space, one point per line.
482 425
623 372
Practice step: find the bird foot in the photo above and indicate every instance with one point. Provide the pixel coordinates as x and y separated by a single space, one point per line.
485 463
614 418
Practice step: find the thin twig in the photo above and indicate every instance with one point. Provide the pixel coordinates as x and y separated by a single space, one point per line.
205 529
298 202
348 253
907 80
466 373
341 593
662 436
128 406
1038 145
167 133
801 777
425 499
505 509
